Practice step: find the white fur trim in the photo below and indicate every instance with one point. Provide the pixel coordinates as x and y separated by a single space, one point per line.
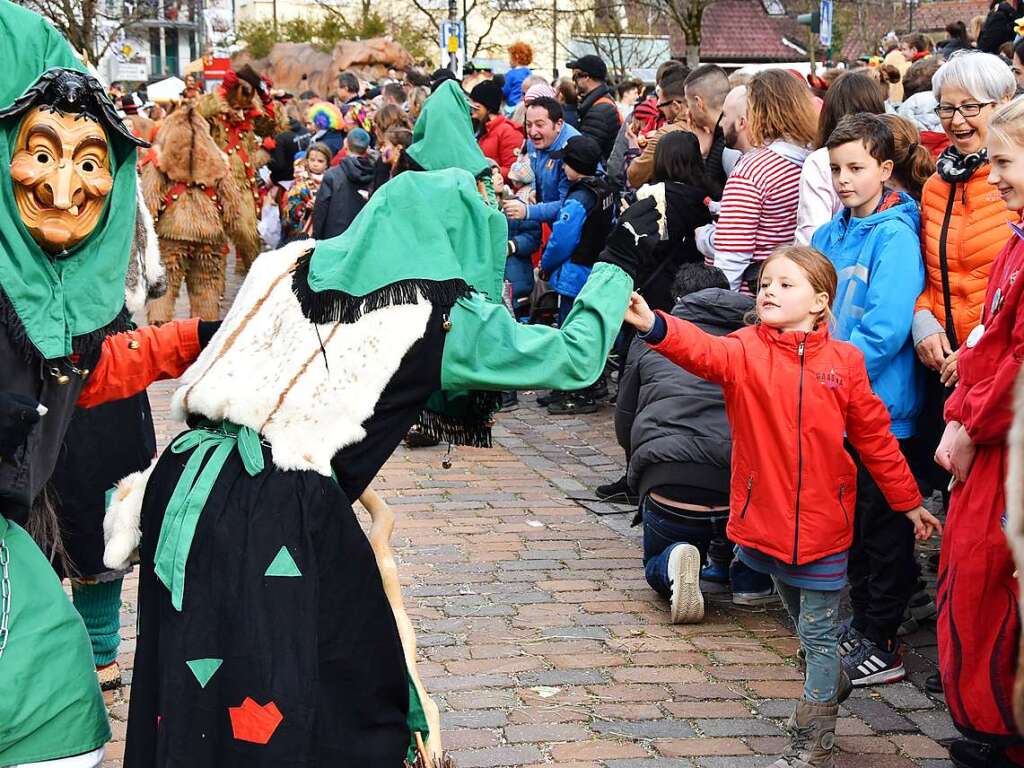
275 350
147 278
122 528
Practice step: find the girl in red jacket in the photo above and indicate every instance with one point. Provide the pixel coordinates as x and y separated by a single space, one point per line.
791 393
979 621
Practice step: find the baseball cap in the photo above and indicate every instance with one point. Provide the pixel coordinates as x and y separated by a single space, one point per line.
581 153
591 65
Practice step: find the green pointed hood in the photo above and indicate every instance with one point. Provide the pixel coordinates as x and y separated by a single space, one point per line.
58 300
426 231
443 135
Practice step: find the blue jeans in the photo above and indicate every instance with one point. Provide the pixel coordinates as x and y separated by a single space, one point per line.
665 527
816 615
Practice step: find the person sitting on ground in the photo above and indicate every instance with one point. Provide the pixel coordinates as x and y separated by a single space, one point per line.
577 237
345 188
674 430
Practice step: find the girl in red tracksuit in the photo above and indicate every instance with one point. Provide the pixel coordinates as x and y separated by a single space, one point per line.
791 393
979 621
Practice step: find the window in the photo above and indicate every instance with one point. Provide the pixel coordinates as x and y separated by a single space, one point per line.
774 7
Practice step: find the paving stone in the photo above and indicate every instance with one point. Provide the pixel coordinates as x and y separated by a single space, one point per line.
651 762
727 726
563 677
905 696
880 716
496 756
936 725
654 729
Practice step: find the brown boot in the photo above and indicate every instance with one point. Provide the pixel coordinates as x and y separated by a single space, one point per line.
812 733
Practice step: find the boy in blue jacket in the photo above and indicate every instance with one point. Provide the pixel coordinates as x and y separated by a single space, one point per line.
577 237
875 246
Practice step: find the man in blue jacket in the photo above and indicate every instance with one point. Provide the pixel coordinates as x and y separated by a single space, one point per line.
548 133
874 244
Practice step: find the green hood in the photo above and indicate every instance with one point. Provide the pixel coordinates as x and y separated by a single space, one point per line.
57 300
443 135
426 231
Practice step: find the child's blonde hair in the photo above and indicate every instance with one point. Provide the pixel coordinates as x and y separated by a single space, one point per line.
1007 122
816 267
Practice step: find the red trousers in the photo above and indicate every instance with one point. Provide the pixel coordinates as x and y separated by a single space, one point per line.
979 620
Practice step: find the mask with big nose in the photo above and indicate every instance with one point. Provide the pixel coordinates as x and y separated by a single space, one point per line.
61 175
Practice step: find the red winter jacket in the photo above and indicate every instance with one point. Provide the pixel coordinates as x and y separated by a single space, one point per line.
499 142
789 398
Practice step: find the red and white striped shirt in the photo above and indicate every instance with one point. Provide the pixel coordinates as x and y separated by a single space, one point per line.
759 207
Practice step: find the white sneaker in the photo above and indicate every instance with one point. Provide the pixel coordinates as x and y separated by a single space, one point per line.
684 574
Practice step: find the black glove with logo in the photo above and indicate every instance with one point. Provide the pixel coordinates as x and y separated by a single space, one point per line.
18 415
634 237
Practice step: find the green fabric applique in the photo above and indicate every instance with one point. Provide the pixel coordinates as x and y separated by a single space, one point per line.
56 299
193 490
283 565
204 669
416 720
420 226
443 135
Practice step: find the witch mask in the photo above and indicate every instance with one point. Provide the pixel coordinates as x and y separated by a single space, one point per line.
61 157
61 174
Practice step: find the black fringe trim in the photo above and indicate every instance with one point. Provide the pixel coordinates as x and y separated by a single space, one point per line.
85 345
473 431
332 306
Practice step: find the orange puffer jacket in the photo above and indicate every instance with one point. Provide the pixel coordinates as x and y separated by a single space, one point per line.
963 228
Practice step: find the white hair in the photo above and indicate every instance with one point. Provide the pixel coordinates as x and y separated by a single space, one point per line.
984 76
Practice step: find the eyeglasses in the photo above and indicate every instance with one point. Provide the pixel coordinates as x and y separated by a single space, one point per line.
663 104
946 112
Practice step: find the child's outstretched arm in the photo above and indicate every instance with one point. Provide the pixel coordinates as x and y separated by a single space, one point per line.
868 429
715 358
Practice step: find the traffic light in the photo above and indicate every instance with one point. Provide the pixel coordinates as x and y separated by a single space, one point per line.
812 20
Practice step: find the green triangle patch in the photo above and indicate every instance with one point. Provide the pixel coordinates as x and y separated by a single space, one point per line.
204 669
283 565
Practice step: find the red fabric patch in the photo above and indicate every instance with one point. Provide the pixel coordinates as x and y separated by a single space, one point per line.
254 723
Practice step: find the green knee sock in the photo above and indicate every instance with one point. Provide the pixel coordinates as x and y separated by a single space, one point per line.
99 605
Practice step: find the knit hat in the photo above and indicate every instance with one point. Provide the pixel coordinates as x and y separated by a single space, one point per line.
488 94
540 90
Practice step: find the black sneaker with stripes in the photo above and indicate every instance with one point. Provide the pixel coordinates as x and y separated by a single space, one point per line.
867 664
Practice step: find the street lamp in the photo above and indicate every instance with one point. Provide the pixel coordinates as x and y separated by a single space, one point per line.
911 4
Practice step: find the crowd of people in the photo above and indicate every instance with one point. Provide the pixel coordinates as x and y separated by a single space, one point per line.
816 365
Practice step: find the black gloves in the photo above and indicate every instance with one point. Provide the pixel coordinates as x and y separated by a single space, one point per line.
18 415
634 237
206 330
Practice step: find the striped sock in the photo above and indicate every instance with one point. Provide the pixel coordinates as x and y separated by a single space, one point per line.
99 605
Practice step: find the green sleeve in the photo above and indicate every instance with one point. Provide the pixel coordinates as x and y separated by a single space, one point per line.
487 349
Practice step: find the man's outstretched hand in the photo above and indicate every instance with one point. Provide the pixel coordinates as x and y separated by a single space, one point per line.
634 237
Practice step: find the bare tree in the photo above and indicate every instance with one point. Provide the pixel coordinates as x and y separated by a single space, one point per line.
480 18
93 26
688 17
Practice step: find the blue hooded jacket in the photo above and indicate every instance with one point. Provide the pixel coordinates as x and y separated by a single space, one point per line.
549 177
881 274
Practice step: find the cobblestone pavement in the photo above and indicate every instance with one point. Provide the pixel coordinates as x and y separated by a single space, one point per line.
543 644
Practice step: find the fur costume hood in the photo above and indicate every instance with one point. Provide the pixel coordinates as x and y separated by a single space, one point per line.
185 150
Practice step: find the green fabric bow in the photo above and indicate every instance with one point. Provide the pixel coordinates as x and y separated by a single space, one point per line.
193 491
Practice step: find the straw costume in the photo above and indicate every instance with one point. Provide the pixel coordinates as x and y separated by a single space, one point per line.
197 204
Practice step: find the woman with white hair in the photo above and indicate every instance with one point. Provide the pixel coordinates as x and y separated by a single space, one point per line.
963 229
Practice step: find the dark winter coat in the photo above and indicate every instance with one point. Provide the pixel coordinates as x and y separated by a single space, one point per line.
282 158
684 212
600 119
665 416
998 27
343 193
